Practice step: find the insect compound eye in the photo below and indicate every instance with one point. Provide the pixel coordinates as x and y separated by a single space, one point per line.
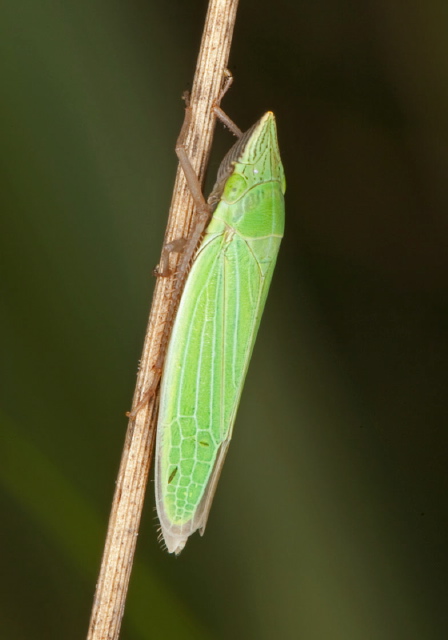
282 179
235 187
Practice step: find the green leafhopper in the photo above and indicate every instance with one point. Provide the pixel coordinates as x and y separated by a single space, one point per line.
214 331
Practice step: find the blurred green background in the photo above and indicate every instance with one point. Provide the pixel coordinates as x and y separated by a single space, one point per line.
330 521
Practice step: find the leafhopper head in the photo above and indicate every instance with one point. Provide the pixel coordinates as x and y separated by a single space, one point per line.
256 151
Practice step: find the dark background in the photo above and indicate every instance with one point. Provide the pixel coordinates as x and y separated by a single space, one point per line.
330 521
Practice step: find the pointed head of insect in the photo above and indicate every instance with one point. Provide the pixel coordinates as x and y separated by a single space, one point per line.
253 159
260 158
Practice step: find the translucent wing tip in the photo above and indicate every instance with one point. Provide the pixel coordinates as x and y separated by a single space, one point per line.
175 537
174 542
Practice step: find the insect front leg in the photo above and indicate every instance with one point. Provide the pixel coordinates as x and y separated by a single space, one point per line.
226 121
219 113
202 208
186 246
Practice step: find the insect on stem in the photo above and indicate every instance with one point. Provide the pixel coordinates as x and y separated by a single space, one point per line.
214 330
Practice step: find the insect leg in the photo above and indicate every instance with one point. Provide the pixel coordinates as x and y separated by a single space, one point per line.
219 113
186 245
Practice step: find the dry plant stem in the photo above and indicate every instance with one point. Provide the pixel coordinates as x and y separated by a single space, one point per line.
127 504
